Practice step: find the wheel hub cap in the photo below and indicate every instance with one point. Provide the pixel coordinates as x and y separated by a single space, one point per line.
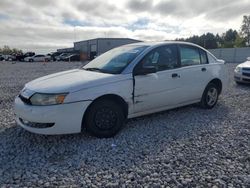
212 95
105 118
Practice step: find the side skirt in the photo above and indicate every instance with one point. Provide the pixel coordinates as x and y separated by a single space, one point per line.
161 109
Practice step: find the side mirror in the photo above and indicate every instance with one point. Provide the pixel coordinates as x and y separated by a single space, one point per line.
145 70
248 59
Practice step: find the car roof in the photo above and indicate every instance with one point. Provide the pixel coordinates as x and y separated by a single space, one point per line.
160 43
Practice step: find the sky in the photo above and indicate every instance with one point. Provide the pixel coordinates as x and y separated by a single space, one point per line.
46 25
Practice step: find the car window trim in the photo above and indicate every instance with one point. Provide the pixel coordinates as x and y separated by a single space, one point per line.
201 50
190 46
177 54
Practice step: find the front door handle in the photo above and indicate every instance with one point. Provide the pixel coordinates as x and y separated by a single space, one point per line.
175 75
203 69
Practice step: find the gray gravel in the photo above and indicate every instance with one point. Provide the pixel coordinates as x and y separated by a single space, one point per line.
185 147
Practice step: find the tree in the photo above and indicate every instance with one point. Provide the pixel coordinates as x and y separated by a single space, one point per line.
16 51
239 42
209 41
230 35
206 40
6 50
245 28
194 39
219 40
228 38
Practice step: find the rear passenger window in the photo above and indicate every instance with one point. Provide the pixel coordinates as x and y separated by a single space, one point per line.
189 56
203 57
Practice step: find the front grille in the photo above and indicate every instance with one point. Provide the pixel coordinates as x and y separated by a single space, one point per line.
25 100
246 74
36 125
246 69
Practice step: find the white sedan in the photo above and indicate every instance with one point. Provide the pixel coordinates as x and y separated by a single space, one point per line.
242 72
37 58
125 82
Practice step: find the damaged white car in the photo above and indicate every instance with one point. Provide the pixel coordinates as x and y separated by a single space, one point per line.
125 82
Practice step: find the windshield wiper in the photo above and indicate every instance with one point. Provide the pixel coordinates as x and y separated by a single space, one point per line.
93 69
96 70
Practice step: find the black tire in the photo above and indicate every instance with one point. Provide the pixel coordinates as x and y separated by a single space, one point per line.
95 122
210 96
31 60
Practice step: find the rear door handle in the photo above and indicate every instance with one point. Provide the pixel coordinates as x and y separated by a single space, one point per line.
175 75
203 69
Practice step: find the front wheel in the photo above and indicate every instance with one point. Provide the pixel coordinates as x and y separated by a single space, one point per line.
104 119
210 96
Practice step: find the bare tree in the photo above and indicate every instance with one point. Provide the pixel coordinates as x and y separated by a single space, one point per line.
245 28
6 50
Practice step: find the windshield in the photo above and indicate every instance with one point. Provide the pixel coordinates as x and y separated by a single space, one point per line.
115 60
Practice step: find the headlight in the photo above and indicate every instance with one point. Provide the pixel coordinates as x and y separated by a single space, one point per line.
47 99
237 69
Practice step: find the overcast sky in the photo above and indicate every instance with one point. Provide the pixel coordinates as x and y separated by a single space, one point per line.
45 25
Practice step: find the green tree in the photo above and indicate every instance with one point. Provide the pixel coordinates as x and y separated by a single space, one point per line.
245 28
206 40
194 39
219 40
228 38
239 42
230 35
209 41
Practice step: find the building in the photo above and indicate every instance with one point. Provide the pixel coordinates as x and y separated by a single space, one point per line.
95 47
66 50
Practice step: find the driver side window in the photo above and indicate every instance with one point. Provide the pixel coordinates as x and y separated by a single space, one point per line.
162 58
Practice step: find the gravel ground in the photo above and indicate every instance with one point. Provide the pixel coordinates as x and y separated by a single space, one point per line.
185 147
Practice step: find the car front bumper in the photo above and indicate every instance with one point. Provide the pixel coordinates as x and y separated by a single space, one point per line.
238 77
55 119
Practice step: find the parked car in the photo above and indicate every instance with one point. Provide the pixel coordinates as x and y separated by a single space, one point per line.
125 82
72 57
1 58
37 58
20 57
9 57
54 55
242 72
62 56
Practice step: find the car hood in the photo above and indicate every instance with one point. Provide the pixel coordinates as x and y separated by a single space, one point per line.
245 64
71 81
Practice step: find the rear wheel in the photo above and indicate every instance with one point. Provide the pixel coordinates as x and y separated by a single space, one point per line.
104 118
31 60
210 96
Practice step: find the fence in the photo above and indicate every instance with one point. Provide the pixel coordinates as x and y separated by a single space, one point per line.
232 55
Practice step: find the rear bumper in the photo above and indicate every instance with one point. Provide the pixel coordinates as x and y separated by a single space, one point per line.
63 119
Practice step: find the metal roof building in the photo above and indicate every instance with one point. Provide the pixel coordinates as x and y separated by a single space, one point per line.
95 47
66 50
